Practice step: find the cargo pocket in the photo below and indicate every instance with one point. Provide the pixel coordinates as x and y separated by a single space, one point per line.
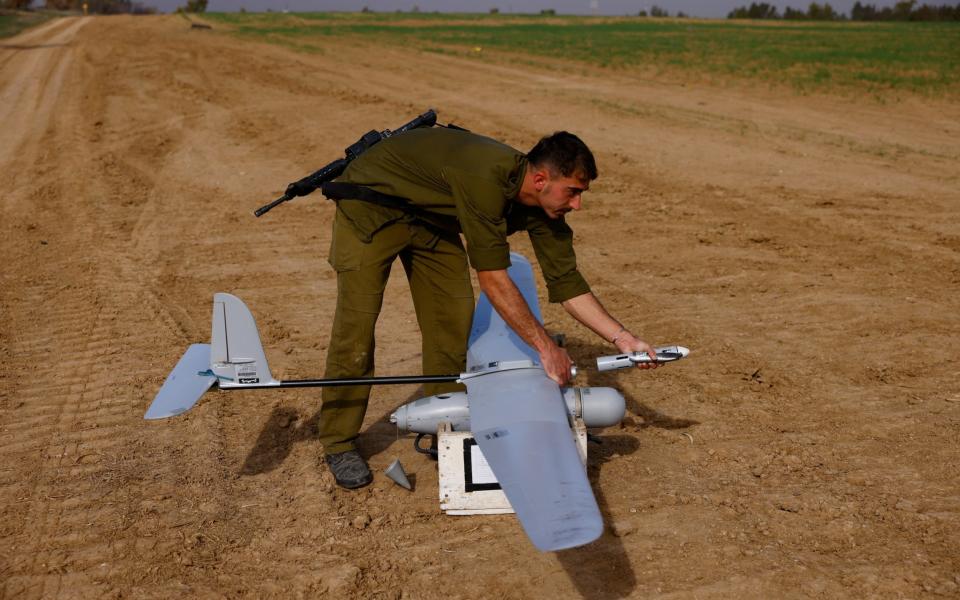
346 247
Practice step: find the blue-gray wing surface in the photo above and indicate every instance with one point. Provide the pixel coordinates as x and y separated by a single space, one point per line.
185 384
520 422
491 339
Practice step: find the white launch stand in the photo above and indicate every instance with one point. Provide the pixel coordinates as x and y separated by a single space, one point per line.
467 486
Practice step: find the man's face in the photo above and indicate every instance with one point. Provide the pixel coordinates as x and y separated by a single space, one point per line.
558 195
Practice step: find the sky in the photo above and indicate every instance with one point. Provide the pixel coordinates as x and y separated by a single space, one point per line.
694 8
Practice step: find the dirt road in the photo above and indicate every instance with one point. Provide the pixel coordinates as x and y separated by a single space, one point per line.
806 248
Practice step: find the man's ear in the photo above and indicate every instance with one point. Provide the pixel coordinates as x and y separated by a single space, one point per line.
540 179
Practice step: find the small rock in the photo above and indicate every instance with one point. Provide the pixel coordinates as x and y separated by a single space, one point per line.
947 588
622 528
815 586
906 505
342 579
789 505
859 480
361 521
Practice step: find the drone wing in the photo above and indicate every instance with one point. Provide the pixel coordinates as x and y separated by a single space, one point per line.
491 339
518 418
184 385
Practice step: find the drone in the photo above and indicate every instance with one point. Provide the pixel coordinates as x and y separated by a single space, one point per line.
519 417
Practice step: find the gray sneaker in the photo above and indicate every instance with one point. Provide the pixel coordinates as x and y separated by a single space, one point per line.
349 469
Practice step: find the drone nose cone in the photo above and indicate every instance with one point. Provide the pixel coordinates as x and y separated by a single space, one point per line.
400 417
397 474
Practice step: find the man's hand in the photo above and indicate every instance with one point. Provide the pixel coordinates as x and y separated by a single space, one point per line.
509 303
587 309
556 363
626 342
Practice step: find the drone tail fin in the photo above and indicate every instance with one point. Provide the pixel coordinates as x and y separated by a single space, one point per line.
236 354
233 358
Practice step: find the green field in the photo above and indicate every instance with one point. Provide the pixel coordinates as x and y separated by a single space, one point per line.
13 22
876 58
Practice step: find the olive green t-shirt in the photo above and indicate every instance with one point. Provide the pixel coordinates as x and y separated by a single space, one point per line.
464 183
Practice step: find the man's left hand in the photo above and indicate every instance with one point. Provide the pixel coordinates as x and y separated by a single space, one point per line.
628 342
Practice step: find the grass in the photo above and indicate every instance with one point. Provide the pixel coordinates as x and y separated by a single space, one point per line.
920 58
13 22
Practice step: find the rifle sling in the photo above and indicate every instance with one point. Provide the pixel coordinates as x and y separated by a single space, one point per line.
336 190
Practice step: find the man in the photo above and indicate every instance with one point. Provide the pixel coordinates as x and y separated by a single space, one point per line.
412 196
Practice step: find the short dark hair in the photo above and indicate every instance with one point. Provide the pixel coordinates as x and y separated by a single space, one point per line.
566 153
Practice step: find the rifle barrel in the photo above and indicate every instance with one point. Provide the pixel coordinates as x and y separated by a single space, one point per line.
263 209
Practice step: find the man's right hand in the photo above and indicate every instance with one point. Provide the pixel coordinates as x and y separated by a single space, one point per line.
510 305
556 363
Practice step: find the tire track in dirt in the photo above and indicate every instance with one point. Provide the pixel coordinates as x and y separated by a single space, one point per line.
36 82
32 357
25 41
71 426
69 437
131 259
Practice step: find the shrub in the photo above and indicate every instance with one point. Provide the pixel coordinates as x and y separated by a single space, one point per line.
195 6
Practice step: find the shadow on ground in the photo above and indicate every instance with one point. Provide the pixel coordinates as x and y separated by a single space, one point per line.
284 428
601 570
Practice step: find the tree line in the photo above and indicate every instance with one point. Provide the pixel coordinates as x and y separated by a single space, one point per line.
104 7
906 10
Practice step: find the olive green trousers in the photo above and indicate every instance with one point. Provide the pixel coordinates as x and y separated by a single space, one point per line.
436 267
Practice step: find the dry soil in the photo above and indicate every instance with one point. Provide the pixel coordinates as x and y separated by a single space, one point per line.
806 248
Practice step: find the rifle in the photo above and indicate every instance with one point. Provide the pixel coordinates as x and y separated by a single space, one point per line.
333 170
